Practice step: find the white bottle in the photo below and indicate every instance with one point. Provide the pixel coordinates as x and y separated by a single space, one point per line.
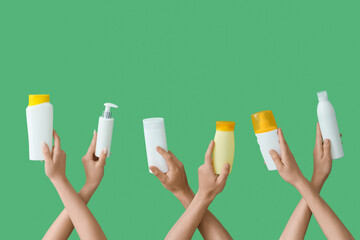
154 131
105 130
39 117
266 132
328 125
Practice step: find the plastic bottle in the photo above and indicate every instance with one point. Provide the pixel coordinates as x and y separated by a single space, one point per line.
224 149
266 132
105 130
328 125
39 117
154 131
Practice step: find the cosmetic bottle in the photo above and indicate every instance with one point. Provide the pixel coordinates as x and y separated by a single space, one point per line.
224 148
154 131
328 125
39 117
105 130
266 132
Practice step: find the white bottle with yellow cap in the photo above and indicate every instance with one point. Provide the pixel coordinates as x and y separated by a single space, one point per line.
39 117
224 148
267 136
328 125
105 130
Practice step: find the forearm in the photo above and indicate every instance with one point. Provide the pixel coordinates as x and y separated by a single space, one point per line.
63 226
298 223
330 224
84 222
185 227
209 227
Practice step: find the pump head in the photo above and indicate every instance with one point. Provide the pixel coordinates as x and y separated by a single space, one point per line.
107 112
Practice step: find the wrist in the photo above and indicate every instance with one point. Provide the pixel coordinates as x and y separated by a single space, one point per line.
206 195
317 182
300 182
58 179
91 185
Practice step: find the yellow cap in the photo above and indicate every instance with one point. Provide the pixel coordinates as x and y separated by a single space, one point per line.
38 99
263 121
225 125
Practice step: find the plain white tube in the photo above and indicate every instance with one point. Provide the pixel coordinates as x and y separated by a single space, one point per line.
105 131
267 141
154 131
40 129
328 125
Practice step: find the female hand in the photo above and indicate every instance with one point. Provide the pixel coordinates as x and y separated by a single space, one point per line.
55 162
322 158
286 164
94 166
211 184
175 179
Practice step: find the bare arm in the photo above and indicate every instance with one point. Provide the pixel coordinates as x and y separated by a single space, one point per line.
288 169
63 226
299 221
210 185
175 181
85 223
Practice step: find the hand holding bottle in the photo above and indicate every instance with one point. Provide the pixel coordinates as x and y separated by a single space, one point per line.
175 179
94 166
286 164
211 184
55 162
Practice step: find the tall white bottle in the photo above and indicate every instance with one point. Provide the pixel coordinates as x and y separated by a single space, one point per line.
105 130
266 132
154 131
328 125
39 117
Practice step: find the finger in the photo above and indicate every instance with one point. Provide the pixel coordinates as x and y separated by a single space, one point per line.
327 149
276 158
92 146
167 156
102 158
159 174
46 152
224 174
319 139
283 144
208 154
57 145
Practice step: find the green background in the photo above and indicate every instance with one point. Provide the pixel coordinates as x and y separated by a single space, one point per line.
191 62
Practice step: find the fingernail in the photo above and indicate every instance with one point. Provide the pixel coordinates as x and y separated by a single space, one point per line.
105 150
94 131
43 144
227 166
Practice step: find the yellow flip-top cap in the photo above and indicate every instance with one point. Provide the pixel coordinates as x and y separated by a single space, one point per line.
225 125
263 121
38 99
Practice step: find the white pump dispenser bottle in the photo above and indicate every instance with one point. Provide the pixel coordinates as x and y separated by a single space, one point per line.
328 125
105 130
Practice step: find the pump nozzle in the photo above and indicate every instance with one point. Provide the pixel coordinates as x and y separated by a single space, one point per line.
107 113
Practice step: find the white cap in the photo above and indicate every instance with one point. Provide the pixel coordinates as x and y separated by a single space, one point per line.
322 96
154 123
107 113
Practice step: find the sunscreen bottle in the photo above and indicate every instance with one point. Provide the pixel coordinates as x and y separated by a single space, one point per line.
224 148
328 125
266 132
39 117
154 131
105 130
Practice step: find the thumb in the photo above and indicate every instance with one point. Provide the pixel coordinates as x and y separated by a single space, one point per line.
224 174
159 174
103 156
46 152
276 158
327 148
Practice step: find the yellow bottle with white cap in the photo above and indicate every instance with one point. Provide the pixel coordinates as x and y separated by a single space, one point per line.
39 117
266 132
224 149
